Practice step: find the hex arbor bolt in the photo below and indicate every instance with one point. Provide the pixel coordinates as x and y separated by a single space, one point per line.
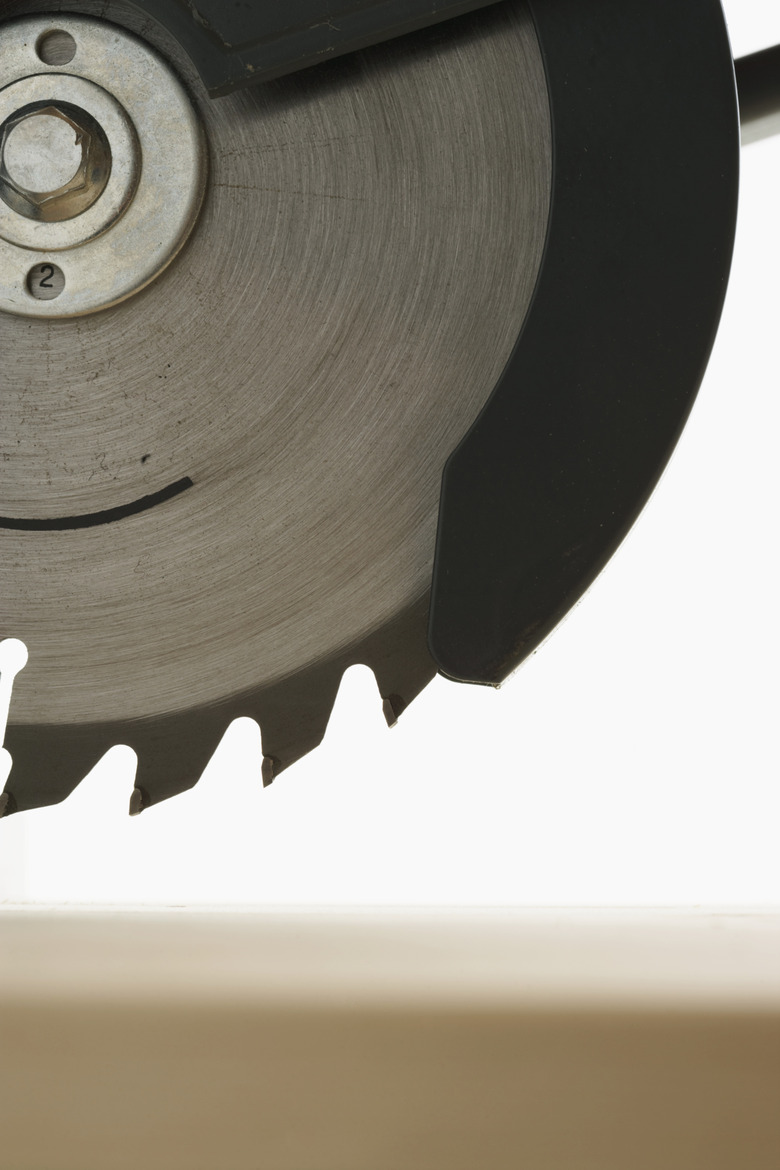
55 162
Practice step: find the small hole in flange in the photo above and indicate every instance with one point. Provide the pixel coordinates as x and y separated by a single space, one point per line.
45 282
56 48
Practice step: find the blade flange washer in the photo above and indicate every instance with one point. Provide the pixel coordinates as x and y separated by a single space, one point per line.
103 167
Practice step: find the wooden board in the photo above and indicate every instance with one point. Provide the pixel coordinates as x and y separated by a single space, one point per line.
568 1041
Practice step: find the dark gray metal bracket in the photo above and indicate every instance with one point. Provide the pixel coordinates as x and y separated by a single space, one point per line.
553 474
250 41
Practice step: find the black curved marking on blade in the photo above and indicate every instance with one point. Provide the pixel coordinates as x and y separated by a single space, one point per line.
95 519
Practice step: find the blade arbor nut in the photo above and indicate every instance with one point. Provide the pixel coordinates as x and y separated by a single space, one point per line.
56 162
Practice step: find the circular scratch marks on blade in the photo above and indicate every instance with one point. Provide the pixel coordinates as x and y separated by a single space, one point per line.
360 274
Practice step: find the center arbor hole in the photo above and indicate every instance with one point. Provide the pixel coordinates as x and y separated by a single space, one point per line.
45 282
56 48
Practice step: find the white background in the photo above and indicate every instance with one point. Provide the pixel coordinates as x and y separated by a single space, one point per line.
633 760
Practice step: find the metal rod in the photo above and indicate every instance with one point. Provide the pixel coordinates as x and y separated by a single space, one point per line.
758 83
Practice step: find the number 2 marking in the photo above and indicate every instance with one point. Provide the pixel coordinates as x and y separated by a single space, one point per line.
47 272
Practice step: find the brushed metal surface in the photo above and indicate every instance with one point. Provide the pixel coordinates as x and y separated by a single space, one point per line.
358 277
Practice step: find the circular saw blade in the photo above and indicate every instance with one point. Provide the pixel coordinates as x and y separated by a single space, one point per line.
221 493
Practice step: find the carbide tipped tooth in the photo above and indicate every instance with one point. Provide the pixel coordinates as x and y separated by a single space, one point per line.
400 660
392 707
294 714
173 752
293 717
7 804
139 800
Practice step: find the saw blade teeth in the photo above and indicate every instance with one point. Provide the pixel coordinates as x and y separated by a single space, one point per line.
42 776
174 750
